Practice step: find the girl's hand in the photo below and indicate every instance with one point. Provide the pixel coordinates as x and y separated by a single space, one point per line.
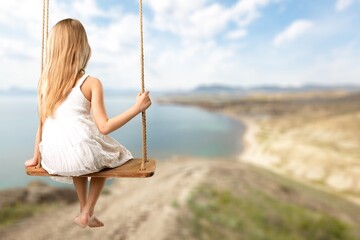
143 101
32 162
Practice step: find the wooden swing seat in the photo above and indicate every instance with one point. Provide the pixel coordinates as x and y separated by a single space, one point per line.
131 169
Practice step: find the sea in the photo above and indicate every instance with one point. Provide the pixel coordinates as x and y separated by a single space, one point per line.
172 131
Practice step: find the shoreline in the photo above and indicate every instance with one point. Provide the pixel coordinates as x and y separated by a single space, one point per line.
251 147
247 139
255 153
251 153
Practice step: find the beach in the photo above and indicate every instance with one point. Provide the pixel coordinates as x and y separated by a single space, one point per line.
323 153
310 137
340 181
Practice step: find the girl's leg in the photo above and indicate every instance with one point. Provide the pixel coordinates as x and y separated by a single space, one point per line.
87 205
81 184
96 186
86 218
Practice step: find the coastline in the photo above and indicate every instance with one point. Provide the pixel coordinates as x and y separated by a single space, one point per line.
310 137
251 148
252 153
248 138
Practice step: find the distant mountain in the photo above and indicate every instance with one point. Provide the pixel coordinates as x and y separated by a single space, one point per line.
219 88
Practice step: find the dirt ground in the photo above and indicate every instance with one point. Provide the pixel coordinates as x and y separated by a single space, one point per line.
130 208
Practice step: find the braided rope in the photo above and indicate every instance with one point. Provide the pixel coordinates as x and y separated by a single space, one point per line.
44 35
47 23
142 77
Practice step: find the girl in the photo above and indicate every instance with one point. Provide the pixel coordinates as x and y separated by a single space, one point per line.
74 137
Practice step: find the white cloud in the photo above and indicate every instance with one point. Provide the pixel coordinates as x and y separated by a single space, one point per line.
208 22
295 30
197 63
246 11
236 34
88 8
20 34
202 19
338 66
343 4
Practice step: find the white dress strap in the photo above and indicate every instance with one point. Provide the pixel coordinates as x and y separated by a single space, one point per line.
81 80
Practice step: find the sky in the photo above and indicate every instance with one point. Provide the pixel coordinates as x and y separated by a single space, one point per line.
190 43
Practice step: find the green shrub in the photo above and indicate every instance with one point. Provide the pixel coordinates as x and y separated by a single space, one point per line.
12 214
219 214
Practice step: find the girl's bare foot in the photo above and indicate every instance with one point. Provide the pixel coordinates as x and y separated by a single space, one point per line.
94 222
31 162
82 220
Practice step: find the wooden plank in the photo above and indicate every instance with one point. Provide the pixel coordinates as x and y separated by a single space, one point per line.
131 169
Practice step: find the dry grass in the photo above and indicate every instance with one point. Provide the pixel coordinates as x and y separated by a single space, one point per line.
239 201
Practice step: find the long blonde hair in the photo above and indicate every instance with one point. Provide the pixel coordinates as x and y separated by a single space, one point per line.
67 54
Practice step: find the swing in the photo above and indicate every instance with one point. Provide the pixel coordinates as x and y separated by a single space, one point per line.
135 168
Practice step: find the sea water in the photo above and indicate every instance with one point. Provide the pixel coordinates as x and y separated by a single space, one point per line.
171 131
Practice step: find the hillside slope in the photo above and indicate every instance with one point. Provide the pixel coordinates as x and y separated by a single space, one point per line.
160 207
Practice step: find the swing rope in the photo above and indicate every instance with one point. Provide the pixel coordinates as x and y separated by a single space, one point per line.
44 36
45 29
142 77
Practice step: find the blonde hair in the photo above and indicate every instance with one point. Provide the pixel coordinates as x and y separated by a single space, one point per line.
67 54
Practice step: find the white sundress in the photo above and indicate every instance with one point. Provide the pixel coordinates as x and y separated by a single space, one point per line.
72 145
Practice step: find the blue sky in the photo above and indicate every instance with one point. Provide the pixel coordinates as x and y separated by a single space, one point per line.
188 43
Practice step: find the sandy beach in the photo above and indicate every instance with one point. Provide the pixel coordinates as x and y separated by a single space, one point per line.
344 183
308 137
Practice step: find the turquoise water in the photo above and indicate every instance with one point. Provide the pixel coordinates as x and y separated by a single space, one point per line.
172 131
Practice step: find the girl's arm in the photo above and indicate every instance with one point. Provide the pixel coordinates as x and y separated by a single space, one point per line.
102 121
35 159
37 142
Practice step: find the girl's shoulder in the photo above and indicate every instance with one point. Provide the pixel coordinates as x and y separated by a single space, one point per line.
91 85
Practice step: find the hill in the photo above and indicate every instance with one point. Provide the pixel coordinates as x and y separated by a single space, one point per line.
191 198
221 88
